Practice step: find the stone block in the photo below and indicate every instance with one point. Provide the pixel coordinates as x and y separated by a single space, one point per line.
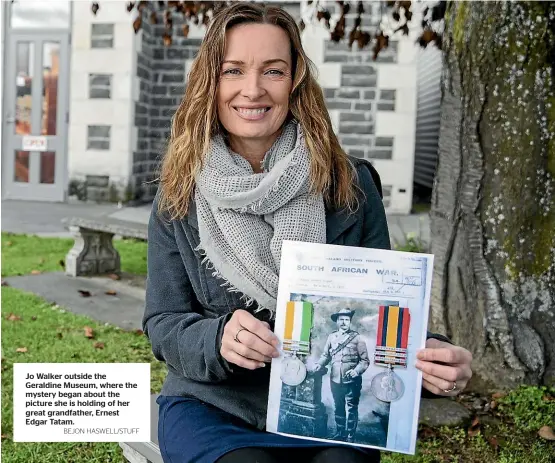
98 145
329 92
162 101
356 152
358 80
355 141
139 156
141 108
338 104
358 69
362 128
176 52
154 112
348 93
380 154
387 94
369 94
384 141
386 106
143 73
337 46
363 106
141 121
176 90
173 78
98 131
176 66
99 93
443 412
352 117
336 58
160 123
159 89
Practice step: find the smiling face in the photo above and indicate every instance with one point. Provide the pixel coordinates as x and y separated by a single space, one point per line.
255 82
343 322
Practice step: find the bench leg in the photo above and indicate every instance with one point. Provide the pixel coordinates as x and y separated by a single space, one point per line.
131 455
92 254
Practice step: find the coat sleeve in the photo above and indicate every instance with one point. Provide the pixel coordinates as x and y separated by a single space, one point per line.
325 357
375 232
364 361
182 338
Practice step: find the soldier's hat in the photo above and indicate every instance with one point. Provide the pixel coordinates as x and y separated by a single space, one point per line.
345 311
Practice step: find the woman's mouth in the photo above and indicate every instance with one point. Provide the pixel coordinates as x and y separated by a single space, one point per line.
252 114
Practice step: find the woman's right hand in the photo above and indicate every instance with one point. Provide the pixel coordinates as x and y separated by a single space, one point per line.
257 343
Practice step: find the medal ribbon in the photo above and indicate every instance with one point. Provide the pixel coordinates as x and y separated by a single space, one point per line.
393 336
298 323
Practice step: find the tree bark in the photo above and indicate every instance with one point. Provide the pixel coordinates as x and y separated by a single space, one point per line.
493 204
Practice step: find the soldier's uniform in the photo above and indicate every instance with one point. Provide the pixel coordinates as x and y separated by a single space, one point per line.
345 390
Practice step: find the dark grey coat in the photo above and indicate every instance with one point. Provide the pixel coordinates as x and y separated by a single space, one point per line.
186 308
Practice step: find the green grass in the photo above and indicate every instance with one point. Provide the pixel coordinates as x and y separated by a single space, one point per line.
21 254
51 334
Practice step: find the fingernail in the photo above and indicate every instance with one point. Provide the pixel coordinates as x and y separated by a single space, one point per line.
420 355
262 365
275 354
418 364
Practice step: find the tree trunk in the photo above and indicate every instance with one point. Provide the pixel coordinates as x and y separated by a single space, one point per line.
493 205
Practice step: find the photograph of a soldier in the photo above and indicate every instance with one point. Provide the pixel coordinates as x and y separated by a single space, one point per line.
343 340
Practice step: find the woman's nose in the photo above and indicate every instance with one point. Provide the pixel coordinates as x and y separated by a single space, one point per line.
252 86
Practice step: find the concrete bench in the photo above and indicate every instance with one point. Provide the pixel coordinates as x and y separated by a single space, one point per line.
93 252
145 452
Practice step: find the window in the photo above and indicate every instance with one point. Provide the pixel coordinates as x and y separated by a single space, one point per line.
102 36
100 85
98 137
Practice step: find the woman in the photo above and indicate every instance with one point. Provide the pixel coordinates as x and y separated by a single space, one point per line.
252 160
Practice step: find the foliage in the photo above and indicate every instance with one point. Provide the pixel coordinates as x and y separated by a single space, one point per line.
196 13
412 243
530 407
506 433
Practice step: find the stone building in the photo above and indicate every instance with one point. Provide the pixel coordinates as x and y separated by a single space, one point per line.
117 91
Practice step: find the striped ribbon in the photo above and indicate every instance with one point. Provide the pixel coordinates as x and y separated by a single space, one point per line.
298 323
393 336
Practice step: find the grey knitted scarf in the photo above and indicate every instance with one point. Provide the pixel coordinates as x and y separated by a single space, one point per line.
244 217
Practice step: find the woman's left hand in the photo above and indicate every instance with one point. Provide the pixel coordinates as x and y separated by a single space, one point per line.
445 367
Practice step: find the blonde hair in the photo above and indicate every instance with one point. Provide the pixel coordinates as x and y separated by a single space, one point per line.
195 121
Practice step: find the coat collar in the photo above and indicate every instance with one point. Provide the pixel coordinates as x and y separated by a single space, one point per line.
337 222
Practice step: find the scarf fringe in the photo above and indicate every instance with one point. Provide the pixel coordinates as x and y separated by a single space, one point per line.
230 288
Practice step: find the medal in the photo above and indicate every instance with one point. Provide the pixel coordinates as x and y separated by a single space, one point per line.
391 350
293 371
296 340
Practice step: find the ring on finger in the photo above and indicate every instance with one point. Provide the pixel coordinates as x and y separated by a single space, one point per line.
454 388
237 334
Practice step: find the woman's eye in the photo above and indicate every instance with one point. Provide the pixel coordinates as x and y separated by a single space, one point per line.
231 71
275 72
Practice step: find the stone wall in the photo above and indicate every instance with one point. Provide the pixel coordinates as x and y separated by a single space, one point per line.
161 72
371 103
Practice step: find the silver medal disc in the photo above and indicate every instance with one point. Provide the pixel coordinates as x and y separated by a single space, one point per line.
293 371
387 386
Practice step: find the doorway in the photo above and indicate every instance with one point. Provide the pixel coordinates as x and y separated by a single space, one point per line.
35 119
